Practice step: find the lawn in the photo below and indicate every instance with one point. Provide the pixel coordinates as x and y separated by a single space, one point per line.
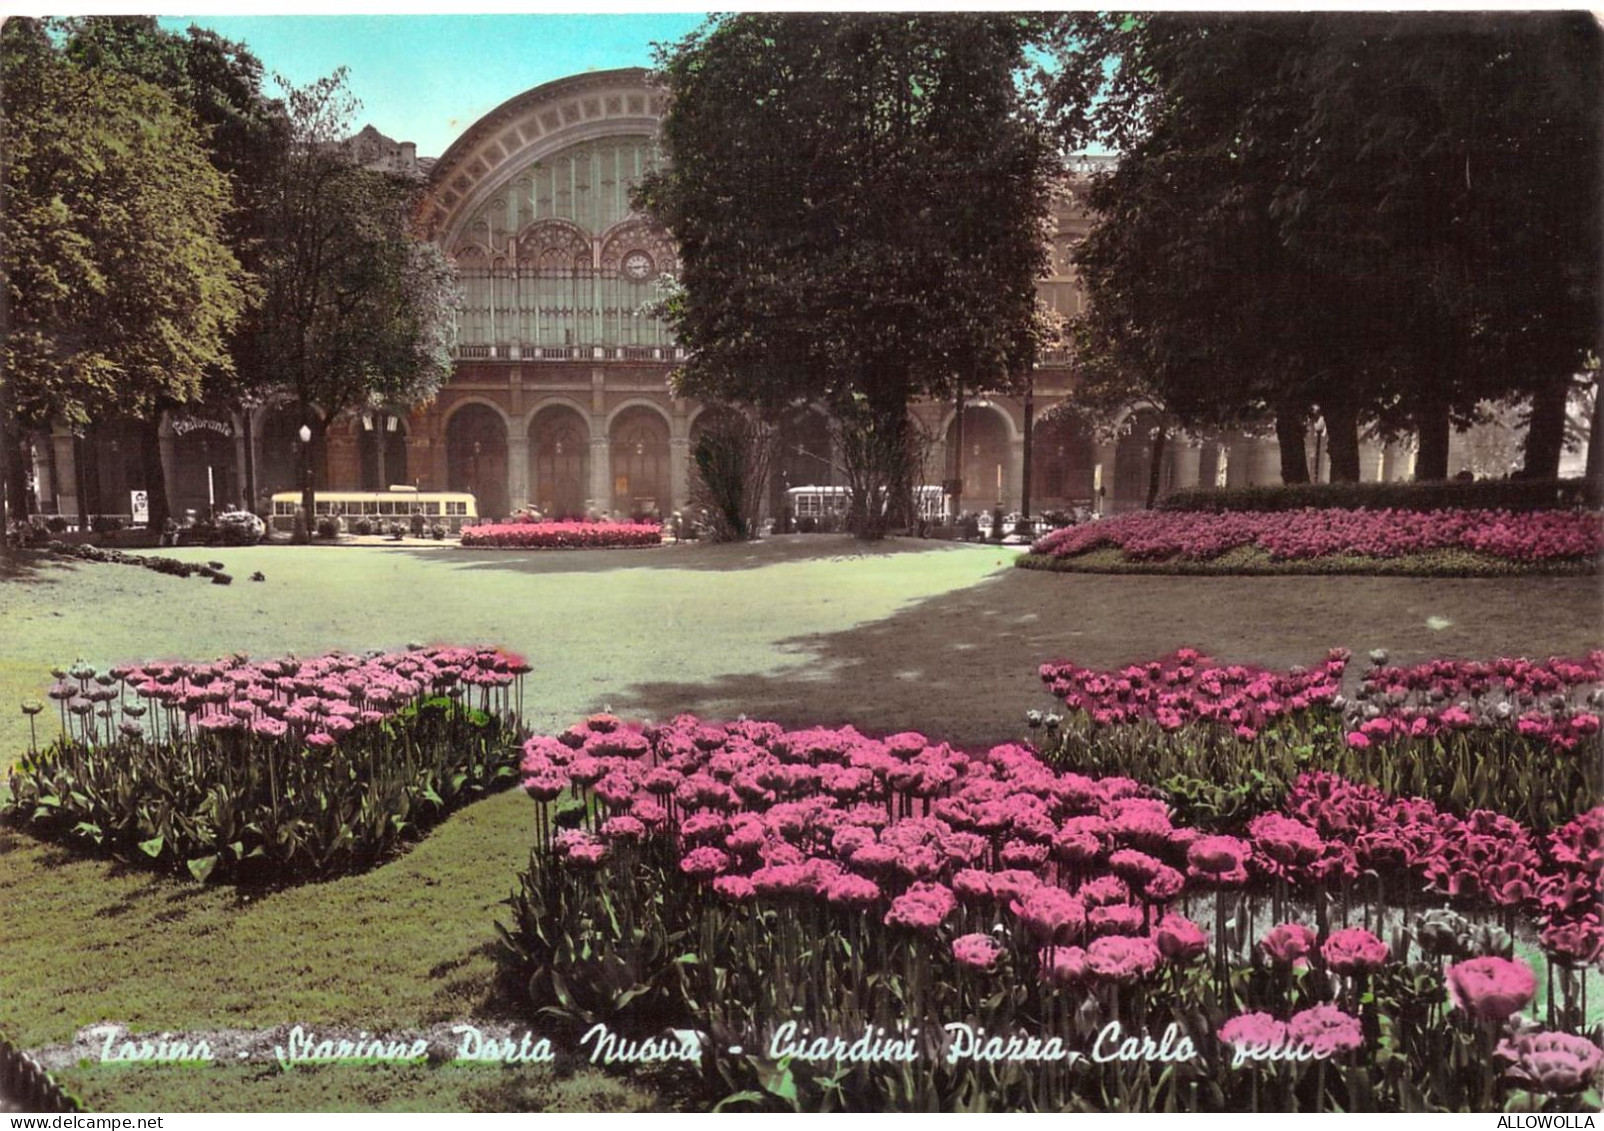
932 636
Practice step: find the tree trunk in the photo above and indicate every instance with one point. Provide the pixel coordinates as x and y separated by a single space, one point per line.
1155 467
309 453
1545 436
1595 437
150 458
13 469
1290 425
1342 432
1028 464
1431 461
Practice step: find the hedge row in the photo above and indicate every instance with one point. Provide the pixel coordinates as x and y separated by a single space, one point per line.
1485 494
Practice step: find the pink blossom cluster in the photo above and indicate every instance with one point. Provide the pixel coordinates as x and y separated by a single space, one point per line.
1189 687
1555 701
1525 536
927 836
561 535
316 701
1483 856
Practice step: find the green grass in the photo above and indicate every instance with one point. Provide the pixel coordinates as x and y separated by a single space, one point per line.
935 636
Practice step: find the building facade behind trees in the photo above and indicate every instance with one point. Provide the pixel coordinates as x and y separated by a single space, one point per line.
559 398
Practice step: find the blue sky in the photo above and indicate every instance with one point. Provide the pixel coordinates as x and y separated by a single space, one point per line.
426 78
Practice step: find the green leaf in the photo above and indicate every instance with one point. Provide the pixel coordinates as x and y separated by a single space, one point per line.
201 867
152 847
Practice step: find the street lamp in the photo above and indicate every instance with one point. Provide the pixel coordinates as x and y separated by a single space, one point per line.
307 496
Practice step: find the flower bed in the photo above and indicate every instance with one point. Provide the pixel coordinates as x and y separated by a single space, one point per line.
1225 740
272 770
1528 538
561 535
792 892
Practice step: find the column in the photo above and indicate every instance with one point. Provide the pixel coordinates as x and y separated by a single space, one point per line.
1013 491
167 448
601 468
66 468
1103 479
517 470
679 472
1188 462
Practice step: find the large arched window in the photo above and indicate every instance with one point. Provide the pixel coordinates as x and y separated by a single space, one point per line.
640 463
559 456
476 457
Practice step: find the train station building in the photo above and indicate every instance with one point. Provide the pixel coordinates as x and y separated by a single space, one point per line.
559 397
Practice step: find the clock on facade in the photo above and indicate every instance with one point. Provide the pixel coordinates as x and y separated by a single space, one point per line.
637 265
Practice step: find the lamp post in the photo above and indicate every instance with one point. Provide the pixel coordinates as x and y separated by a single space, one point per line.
307 495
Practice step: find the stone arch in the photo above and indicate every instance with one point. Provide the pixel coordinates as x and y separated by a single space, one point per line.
638 435
1063 461
382 437
276 429
986 457
982 404
476 454
638 402
1133 458
559 458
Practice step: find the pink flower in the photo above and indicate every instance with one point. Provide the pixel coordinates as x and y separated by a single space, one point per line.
923 907
1253 1035
736 889
1051 914
1288 943
849 890
1115 919
1063 965
1121 958
1490 989
1179 939
1551 1063
704 863
1354 951
1325 1030
977 952
1218 860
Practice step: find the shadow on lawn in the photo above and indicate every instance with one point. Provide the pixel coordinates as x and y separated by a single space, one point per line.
30 567
962 666
706 556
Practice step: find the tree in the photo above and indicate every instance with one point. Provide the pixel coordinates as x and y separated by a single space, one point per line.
120 288
356 309
220 82
731 461
859 203
1383 218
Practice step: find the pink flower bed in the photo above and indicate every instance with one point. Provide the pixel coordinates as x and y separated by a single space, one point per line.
1522 536
925 836
316 701
1188 687
561 535
1553 701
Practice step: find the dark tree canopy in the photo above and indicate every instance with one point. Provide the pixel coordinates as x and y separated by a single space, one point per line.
1379 217
858 201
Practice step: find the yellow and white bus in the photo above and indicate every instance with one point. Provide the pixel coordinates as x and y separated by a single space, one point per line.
451 509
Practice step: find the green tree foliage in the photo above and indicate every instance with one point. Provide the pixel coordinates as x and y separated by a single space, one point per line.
119 285
1384 218
356 310
858 201
220 82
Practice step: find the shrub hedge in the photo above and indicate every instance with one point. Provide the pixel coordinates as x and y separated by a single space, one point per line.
1482 494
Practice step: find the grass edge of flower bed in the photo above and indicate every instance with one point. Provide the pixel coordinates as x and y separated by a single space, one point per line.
1254 562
